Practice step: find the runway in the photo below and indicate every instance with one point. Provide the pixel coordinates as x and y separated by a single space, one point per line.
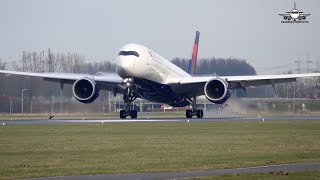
139 120
315 166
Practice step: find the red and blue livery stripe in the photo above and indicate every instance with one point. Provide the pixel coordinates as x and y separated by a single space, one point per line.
193 62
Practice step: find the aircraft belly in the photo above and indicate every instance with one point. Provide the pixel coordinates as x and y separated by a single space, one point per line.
159 93
189 89
168 99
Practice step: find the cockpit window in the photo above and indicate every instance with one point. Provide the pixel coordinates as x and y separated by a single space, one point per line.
128 53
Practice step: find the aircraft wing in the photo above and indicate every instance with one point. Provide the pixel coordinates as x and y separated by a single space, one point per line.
284 15
305 15
189 85
106 81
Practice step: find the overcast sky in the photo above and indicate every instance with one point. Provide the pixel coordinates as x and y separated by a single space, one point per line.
248 29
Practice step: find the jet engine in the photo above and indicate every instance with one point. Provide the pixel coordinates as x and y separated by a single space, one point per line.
217 90
85 90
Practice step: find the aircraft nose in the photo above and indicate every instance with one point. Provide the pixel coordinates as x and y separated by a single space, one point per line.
126 65
126 61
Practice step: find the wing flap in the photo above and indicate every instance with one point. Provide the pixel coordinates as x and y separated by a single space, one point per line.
253 83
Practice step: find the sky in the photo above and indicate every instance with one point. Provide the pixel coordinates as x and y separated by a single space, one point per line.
247 29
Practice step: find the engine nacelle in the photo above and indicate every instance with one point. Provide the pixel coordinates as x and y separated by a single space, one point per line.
85 90
217 90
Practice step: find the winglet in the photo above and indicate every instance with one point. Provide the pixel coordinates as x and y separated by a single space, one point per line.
193 62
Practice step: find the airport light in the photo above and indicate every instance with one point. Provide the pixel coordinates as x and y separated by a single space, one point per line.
11 109
22 99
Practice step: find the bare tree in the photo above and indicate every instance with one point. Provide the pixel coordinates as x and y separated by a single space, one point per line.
2 65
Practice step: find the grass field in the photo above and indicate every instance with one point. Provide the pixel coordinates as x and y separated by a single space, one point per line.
55 150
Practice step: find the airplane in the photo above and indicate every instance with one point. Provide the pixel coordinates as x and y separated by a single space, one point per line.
294 14
142 73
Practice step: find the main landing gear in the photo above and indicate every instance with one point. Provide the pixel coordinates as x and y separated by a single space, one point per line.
194 111
132 113
129 96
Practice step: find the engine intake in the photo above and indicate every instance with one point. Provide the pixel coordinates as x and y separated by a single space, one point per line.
217 90
85 90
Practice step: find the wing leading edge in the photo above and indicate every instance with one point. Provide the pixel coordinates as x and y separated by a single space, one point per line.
107 81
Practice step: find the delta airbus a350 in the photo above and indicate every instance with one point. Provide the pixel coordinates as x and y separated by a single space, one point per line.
145 74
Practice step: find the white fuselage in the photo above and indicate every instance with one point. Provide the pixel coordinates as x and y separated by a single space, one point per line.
294 14
138 61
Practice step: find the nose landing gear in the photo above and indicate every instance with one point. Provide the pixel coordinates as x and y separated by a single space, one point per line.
129 96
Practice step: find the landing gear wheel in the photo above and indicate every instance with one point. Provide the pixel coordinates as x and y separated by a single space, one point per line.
189 113
133 114
195 111
123 114
128 97
199 113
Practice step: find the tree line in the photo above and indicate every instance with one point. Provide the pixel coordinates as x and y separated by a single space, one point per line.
48 61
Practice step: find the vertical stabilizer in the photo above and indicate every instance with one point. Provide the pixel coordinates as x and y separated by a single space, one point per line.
193 62
294 5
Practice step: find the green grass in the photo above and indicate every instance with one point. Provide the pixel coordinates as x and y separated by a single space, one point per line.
266 176
55 150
